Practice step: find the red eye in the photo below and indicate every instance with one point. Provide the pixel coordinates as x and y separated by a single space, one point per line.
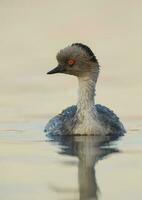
71 62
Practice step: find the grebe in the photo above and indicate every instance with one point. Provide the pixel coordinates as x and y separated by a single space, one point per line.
85 118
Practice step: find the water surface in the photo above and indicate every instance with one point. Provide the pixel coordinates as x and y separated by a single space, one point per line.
79 168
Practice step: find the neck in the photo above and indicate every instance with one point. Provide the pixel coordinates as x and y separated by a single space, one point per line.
86 99
86 115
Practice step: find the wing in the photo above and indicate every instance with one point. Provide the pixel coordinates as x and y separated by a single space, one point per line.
110 119
56 124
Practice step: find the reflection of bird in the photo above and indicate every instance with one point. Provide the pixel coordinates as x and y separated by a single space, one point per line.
85 118
89 150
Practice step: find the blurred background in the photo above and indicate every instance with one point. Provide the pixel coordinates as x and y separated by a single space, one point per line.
31 34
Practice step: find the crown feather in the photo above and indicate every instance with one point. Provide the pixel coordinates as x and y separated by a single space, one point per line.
87 50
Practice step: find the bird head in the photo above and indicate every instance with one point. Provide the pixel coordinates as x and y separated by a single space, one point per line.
77 59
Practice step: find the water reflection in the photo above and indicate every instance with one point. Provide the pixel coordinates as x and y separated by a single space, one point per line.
89 150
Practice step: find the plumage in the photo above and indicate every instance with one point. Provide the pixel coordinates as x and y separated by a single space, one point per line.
58 124
85 118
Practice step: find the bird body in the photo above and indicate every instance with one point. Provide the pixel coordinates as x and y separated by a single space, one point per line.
64 123
85 118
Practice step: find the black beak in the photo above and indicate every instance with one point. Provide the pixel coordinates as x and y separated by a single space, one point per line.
58 69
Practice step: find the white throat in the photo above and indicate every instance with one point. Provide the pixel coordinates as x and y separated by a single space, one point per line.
86 115
86 99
